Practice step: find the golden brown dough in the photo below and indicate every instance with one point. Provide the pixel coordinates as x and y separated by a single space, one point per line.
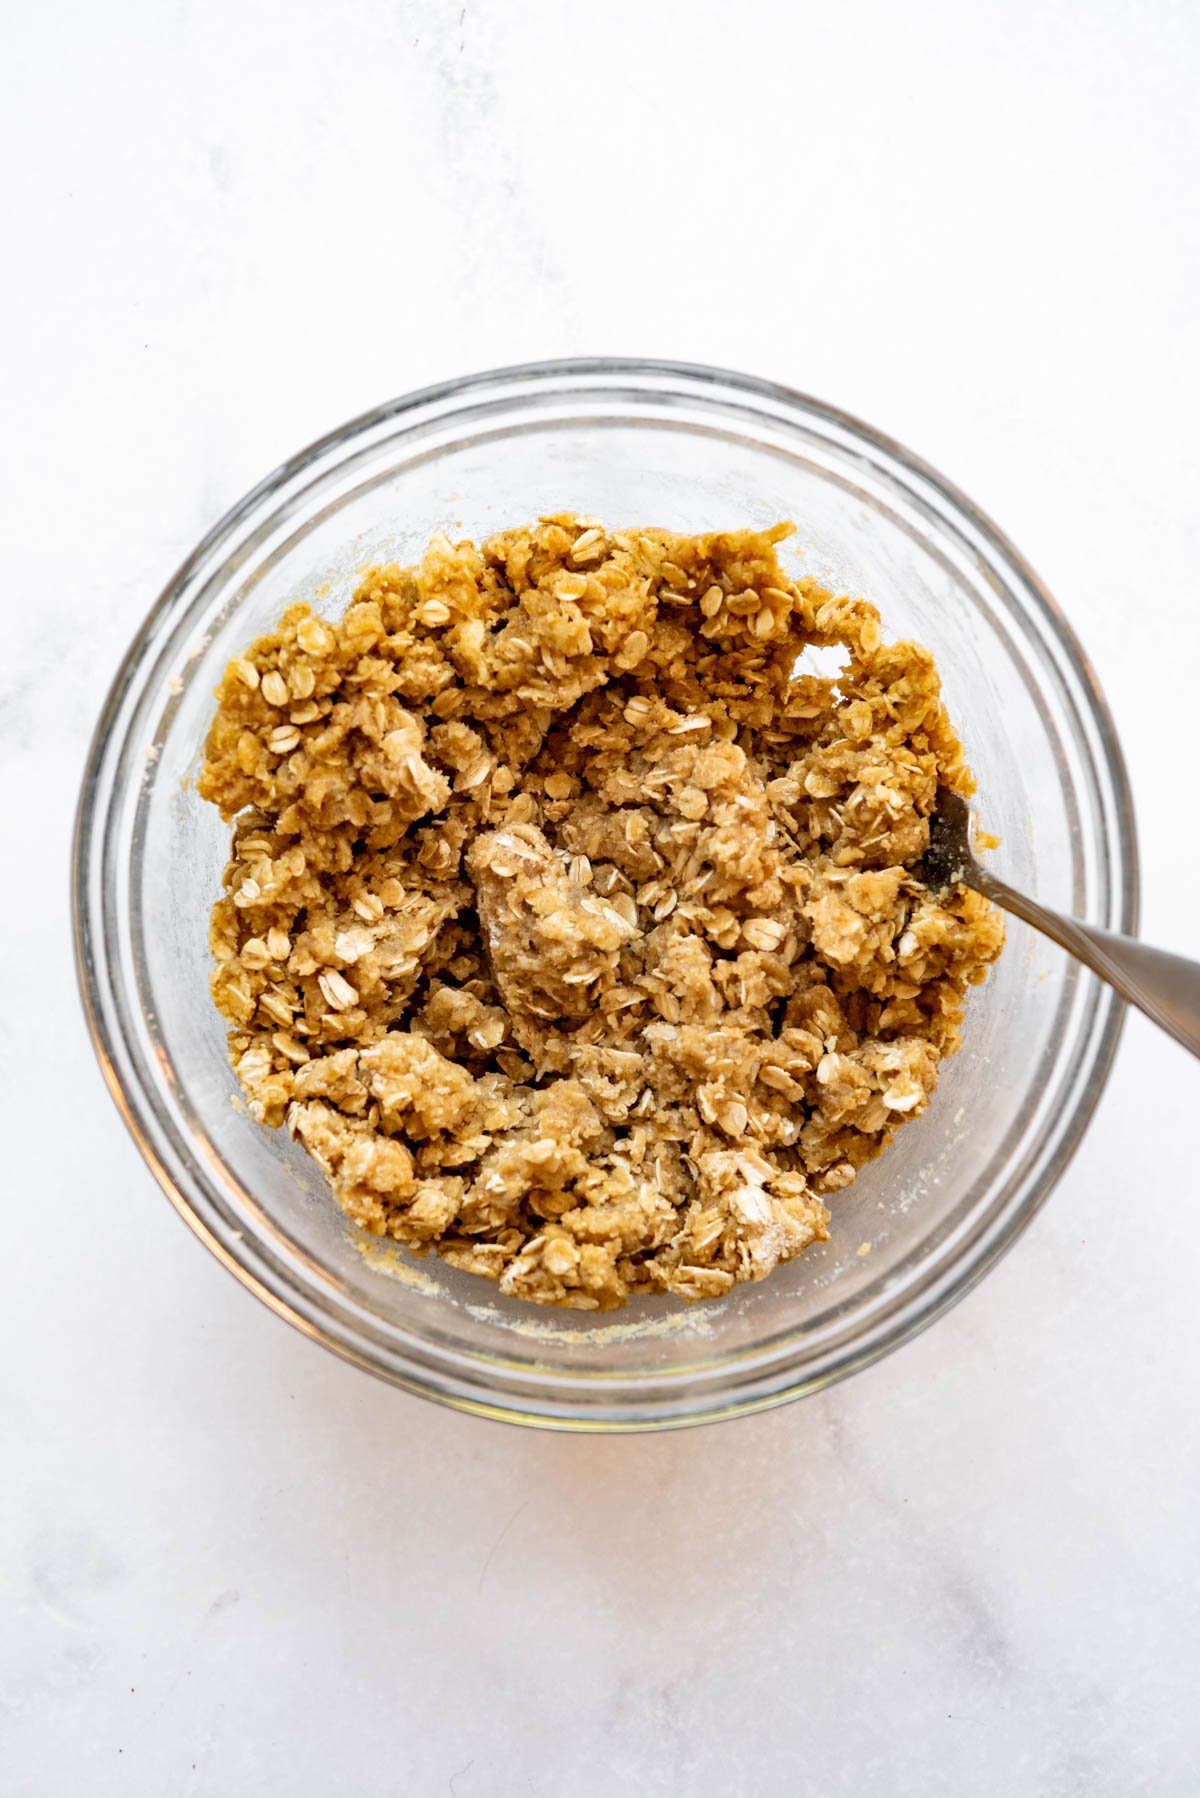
569 924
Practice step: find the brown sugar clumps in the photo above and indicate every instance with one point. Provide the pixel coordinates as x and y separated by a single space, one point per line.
572 926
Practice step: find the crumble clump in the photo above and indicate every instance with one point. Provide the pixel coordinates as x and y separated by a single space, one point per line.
570 924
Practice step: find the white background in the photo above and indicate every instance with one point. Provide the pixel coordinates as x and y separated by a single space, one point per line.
232 1565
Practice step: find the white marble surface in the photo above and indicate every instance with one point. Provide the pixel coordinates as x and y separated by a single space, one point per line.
229 1564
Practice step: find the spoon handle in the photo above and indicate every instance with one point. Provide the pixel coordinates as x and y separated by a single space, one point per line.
1166 987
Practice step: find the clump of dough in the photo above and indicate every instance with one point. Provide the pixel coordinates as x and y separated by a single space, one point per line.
570 924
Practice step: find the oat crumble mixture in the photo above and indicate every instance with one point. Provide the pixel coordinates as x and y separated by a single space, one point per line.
570 925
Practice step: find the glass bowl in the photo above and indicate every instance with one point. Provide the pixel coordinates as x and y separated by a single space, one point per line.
693 449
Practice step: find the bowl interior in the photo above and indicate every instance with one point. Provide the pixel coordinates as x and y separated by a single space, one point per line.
949 1187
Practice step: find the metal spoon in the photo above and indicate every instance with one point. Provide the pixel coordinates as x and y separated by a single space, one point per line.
1166 987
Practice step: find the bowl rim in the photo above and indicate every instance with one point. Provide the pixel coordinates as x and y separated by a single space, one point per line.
186 1187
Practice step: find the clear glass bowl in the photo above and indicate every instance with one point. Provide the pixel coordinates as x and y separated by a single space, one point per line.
692 449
